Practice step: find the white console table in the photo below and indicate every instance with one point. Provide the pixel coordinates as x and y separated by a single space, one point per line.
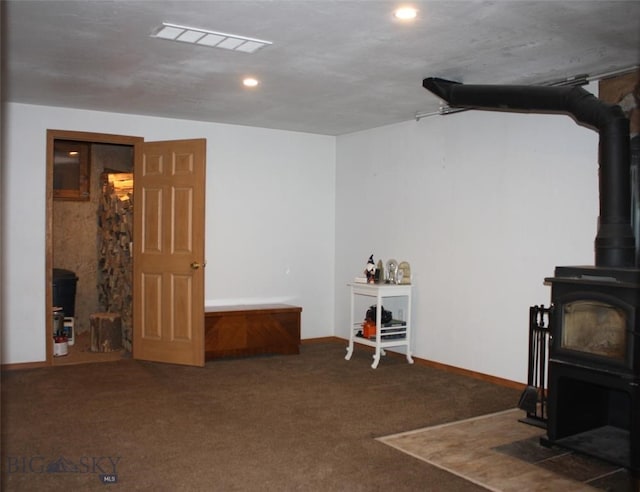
395 334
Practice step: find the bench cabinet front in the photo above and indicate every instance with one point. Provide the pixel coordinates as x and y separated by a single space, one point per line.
237 331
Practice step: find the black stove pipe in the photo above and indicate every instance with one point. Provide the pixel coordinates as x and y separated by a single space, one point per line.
615 243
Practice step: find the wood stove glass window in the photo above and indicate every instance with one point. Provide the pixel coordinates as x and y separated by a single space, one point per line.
595 328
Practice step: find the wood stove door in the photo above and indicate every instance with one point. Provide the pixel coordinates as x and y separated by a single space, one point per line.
168 272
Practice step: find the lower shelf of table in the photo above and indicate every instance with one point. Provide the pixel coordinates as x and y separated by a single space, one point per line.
379 347
395 342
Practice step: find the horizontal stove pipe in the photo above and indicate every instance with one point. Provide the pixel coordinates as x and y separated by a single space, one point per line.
614 244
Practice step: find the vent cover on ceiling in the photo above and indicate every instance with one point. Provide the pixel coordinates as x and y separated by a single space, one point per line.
211 39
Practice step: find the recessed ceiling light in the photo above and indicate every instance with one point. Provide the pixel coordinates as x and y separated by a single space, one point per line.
405 13
213 39
250 82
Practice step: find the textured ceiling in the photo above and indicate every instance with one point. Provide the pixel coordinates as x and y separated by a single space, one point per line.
335 66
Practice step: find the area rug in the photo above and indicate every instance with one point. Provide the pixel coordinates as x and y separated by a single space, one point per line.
499 453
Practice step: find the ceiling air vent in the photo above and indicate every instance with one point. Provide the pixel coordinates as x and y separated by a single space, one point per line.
211 39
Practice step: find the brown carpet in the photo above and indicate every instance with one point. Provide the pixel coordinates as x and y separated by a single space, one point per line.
306 422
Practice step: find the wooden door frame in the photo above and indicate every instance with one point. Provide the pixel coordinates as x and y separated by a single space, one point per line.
52 135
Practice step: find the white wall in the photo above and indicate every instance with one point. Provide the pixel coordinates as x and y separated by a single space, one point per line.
270 216
483 205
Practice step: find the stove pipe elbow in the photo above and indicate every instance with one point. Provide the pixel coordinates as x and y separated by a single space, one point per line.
614 243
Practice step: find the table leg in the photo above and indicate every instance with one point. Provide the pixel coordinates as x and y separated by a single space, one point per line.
349 350
376 358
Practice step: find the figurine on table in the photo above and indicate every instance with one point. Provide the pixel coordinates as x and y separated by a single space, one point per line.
370 271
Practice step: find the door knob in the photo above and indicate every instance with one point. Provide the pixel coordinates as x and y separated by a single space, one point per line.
195 265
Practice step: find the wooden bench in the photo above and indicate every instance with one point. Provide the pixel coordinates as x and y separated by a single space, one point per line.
238 331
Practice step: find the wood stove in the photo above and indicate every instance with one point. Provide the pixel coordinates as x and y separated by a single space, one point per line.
593 401
594 363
